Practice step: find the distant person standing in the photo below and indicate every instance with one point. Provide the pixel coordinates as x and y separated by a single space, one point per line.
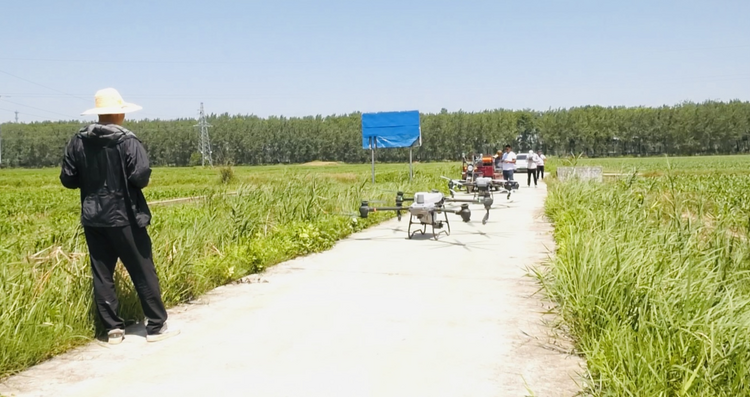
531 166
540 164
509 163
110 167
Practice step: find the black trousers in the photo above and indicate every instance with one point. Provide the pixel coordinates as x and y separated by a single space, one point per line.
530 173
540 171
132 245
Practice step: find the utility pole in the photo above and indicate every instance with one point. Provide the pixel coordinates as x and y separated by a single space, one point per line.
204 144
16 116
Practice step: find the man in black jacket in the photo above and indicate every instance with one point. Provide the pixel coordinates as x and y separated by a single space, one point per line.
110 166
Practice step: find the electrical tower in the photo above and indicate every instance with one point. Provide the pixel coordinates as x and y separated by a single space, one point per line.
16 116
204 144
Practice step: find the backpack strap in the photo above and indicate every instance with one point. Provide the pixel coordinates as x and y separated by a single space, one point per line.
128 199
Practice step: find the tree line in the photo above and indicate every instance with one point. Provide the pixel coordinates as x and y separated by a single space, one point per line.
686 129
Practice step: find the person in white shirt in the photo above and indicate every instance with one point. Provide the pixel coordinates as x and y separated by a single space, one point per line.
540 164
509 163
531 164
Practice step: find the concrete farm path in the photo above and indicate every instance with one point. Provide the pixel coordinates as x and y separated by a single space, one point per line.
377 315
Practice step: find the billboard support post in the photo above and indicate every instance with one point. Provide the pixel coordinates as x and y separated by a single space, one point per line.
372 152
411 171
391 130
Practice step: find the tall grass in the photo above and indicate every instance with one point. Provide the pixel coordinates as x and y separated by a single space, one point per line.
653 278
277 213
693 165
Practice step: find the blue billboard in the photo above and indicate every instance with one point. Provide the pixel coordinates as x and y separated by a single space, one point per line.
391 129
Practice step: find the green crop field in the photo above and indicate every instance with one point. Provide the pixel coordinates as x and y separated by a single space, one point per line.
277 213
651 166
652 275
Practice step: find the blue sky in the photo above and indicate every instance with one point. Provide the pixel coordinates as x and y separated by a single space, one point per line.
297 58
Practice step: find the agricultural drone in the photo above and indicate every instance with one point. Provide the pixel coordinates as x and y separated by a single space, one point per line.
482 187
425 209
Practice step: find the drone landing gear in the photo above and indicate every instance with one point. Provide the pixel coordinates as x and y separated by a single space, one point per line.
447 225
423 230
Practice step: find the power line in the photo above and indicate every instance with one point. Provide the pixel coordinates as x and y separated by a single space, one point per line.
48 96
26 114
286 62
125 61
32 107
707 48
653 49
42 85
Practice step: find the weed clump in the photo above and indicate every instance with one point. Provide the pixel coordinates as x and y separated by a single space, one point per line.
226 174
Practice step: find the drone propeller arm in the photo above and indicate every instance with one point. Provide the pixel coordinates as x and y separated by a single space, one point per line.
455 200
376 209
464 212
365 210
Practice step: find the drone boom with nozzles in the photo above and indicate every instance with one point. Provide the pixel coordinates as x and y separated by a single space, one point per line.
427 207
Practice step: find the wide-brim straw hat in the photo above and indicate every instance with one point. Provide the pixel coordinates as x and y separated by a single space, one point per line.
109 101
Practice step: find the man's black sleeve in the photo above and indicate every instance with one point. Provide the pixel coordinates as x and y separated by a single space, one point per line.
137 166
69 173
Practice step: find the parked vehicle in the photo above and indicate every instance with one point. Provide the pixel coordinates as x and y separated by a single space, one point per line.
522 163
481 166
